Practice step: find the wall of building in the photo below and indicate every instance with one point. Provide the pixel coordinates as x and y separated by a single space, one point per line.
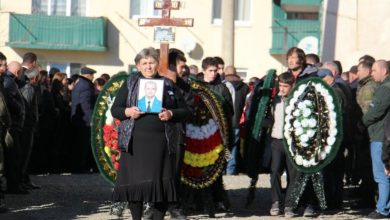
361 27
126 38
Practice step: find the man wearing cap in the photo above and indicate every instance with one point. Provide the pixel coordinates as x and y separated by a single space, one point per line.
83 102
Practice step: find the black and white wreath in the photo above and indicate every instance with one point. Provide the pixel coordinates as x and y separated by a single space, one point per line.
313 127
312 134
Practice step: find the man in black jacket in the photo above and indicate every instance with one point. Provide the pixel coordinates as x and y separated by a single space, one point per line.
83 102
15 103
240 90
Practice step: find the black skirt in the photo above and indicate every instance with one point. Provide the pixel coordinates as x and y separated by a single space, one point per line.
146 171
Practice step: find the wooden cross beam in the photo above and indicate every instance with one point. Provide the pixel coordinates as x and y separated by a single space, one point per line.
166 6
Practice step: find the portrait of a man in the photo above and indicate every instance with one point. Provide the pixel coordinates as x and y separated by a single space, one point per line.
150 95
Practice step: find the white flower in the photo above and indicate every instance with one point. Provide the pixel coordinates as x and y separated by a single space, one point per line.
296 113
301 105
327 149
328 98
308 103
306 163
306 112
333 132
287 118
297 124
301 89
304 144
299 159
109 118
305 123
322 155
313 161
295 97
299 131
293 100
310 133
312 123
304 138
330 140
288 110
331 106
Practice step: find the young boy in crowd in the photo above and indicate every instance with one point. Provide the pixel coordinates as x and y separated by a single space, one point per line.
280 161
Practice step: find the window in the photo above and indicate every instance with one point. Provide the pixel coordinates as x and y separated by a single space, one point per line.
68 68
302 15
143 8
59 7
242 12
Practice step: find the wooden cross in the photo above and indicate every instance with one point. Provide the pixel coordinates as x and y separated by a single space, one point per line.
166 6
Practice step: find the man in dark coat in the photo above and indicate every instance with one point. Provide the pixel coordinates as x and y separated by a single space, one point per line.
83 102
5 124
15 104
30 123
240 90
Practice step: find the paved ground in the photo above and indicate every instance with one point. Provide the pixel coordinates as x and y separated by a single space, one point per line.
88 197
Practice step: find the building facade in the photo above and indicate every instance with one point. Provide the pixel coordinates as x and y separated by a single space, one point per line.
105 35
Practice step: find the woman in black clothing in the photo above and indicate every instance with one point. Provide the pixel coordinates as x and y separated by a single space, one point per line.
147 141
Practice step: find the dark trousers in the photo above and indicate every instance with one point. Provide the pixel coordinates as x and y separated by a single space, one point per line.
333 181
13 161
27 146
83 160
279 163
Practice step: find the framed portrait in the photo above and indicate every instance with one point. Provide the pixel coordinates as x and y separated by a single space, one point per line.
150 95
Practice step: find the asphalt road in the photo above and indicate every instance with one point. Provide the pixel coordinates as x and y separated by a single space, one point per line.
70 196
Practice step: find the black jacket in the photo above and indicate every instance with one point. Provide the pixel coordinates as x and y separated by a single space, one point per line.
15 102
83 102
240 92
172 100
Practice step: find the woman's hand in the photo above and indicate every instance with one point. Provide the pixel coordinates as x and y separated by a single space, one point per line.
133 112
165 114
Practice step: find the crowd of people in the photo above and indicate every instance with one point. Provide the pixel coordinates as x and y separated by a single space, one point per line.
38 118
40 109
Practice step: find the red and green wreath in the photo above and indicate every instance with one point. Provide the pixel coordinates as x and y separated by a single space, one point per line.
207 135
104 129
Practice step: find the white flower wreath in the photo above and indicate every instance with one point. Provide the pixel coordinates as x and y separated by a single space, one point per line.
310 109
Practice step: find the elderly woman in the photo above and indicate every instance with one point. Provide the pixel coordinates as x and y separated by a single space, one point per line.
147 141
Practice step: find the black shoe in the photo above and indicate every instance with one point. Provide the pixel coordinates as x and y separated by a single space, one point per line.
376 215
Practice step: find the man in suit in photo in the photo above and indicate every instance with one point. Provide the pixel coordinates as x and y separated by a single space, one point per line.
149 102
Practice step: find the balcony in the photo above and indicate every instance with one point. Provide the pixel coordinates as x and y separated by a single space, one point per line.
301 5
57 32
290 33
289 29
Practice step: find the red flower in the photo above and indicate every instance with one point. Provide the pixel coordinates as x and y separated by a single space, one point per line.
205 145
114 145
116 165
117 122
107 128
114 134
106 138
113 157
